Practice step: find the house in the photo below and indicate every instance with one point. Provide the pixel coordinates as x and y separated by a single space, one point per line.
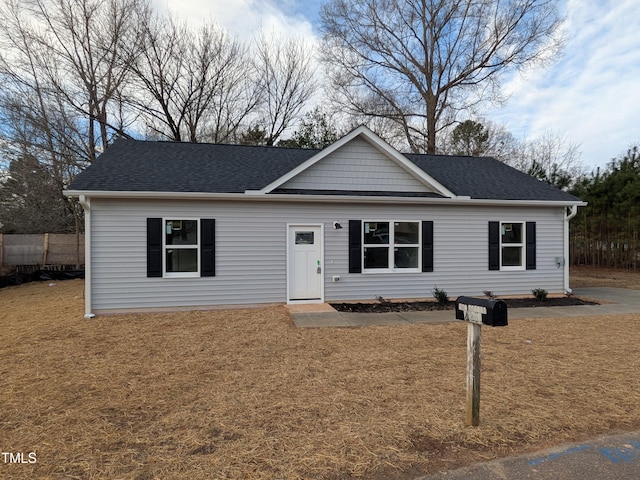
184 225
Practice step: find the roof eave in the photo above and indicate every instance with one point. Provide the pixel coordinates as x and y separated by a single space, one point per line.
316 198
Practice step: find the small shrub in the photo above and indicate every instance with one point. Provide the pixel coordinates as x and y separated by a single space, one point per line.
440 295
489 294
540 294
382 300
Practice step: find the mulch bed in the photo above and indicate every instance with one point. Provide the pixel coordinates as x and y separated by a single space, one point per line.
424 306
39 275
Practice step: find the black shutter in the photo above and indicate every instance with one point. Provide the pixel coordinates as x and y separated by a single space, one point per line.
355 246
427 246
207 247
154 247
531 246
494 245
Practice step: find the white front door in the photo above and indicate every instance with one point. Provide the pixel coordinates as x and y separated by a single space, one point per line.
305 266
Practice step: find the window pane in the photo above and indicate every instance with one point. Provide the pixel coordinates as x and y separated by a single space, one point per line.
511 233
182 260
376 232
376 257
181 232
406 257
304 238
406 232
511 256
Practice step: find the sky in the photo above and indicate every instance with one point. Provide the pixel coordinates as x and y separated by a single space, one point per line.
590 94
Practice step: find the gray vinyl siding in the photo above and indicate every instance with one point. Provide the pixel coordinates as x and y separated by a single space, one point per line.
251 252
356 166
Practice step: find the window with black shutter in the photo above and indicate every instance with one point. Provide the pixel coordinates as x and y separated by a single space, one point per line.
512 245
390 246
180 247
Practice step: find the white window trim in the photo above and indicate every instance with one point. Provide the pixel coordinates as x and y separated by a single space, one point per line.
522 245
198 247
391 246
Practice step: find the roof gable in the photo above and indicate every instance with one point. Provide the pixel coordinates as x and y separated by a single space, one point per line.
356 166
360 161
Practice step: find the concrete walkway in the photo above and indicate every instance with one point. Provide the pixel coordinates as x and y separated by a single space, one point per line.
612 301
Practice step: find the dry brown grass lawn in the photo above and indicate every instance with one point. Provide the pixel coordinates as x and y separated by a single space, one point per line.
584 276
243 394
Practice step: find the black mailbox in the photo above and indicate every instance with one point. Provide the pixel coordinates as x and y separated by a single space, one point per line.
481 311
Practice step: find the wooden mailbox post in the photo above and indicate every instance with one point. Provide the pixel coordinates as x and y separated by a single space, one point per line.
476 312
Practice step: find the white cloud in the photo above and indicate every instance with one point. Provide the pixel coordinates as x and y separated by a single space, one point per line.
245 19
242 18
592 93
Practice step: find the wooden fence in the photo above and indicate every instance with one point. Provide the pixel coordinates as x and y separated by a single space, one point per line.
41 250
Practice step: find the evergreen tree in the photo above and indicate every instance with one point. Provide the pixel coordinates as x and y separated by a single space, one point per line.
254 136
469 138
607 231
30 200
316 131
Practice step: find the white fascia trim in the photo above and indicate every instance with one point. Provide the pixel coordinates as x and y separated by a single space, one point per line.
377 143
126 194
279 197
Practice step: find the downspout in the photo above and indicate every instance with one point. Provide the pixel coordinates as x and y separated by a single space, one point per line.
568 216
86 205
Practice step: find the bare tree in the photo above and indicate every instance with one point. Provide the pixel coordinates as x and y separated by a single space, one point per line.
62 66
286 75
192 85
40 138
81 50
419 62
158 69
550 157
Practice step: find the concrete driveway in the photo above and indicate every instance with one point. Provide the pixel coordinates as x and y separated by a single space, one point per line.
622 296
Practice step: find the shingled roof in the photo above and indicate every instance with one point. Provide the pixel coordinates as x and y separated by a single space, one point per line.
149 166
142 166
487 178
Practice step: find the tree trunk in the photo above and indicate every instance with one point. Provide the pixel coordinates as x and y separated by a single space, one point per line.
432 123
